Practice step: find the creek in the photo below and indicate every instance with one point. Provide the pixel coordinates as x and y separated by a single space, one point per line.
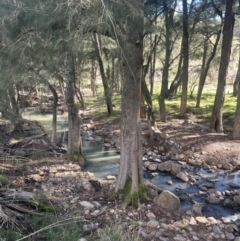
103 161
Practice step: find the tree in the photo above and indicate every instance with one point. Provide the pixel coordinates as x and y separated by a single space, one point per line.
168 17
107 92
130 39
216 122
183 106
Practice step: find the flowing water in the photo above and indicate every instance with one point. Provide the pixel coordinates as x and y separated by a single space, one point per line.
103 161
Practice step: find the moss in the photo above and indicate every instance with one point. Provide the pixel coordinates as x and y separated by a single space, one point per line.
76 157
43 206
135 197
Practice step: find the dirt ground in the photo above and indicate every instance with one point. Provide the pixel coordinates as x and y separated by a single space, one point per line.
191 140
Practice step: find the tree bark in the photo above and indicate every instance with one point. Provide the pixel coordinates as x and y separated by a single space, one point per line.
216 122
130 170
183 106
168 16
205 67
107 92
236 81
74 149
236 126
93 77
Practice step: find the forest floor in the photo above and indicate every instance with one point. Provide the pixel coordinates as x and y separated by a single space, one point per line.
101 217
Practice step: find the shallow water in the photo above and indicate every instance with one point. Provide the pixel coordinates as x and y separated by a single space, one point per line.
103 161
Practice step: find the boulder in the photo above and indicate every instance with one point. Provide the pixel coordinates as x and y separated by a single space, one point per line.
168 200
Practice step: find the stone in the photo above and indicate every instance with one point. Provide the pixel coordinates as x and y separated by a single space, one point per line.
82 239
151 216
89 227
229 229
234 185
202 220
235 162
213 199
168 200
152 224
110 177
86 204
216 230
237 238
96 204
197 209
227 166
230 236
95 213
182 176
236 199
170 182
152 167
20 152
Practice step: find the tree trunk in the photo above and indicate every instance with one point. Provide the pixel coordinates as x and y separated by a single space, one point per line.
130 170
153 66
183 106
236 81
236 126
74 139
216 122
107 93
54 120
178 79
93 77
206 67
168 13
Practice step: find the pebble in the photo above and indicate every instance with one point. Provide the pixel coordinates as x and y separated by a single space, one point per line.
152 223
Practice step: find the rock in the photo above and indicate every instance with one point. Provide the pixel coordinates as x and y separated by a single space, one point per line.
152 223
229 229
152 167
151 216
86 204
168 200
182 176
216 230
170 182
230 236
144 234
197 209
227 166
20 152
110 177
89 227
236 199
82 239
212 198
96 204
176 168
234 185
202 220
36 178
235 162
237 238
95 213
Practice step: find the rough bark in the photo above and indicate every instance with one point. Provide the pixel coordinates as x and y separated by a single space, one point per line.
74 149
93 77
130 170
236 126
216 122
183 105
236 81
107 92
54 120
168 16
205 67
